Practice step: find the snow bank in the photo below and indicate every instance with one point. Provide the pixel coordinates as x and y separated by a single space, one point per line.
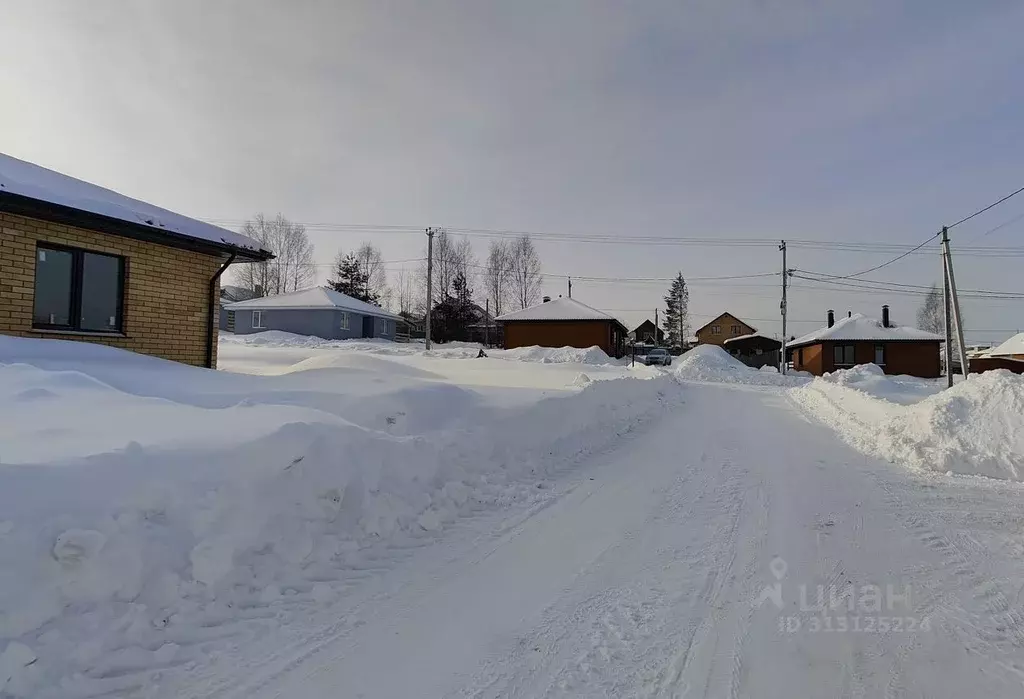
119 559
976 427
594 356
712 363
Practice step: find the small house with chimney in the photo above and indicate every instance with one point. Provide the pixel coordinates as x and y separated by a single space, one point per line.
859 339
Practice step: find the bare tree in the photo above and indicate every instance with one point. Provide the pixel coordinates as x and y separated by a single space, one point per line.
525 273
931 317
291 269
405 298
452 257
371 262
498 274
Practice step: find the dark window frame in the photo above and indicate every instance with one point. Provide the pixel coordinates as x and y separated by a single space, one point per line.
842 348
77 275
880 346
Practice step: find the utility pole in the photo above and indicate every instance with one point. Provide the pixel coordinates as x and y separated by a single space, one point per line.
947 320
782 306
487 323
656 343
570 286
955 302
430 280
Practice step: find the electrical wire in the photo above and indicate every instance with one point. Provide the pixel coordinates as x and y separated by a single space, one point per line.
990 206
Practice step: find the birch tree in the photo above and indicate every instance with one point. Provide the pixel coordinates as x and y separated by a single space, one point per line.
498 274
292 268
524 271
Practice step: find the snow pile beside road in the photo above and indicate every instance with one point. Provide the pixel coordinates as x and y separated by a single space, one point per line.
712 363
976 427
119 559
594 356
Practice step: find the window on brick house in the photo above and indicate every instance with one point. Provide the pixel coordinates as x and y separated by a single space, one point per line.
735 330
78 290
880 355
716 329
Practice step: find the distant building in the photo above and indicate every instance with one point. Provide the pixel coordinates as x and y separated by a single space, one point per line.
721 329
564 322
319 311
754 350
230 294
647 334
1008 355
858 339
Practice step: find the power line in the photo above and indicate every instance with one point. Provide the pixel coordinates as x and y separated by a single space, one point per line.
619 239
990 206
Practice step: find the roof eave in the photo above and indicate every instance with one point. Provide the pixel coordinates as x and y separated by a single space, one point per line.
792 344
69 216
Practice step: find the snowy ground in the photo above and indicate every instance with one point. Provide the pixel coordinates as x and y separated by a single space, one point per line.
371 520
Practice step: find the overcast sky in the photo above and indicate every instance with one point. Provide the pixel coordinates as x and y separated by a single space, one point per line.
867 121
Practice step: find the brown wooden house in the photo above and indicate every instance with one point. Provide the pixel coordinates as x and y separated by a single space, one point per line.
721 329
1009 355
648 334
564 322
858 339
754 350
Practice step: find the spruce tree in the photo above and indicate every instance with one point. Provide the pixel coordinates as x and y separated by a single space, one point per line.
349 279
676 319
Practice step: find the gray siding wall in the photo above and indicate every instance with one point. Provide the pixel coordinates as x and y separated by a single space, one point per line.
325 323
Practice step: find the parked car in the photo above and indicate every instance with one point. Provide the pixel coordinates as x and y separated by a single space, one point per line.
659 356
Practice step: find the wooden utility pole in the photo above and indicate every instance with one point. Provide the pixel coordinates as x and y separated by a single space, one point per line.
430 280
487 323
570 286
656 327
782 306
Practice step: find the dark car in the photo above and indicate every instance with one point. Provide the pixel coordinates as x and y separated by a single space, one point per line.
658 356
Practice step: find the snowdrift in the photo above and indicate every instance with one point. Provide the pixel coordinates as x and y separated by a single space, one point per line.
594 356
712 363
213 505
976 427
556 355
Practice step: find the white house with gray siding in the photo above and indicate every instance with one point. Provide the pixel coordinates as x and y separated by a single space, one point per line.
319 311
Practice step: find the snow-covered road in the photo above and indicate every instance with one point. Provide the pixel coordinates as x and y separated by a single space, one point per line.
638 579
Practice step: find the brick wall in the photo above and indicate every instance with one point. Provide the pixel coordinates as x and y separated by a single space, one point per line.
165 289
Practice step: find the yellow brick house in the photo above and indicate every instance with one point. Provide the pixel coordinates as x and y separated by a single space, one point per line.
722 328
80 262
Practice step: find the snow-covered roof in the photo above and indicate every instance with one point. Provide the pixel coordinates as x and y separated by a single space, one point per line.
25 179
558 309
749 337
1015 345
860 327
318 297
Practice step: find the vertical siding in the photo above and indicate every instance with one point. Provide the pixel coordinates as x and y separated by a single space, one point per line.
913 358
580 334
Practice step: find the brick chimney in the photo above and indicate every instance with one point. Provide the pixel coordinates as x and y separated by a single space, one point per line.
831 317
